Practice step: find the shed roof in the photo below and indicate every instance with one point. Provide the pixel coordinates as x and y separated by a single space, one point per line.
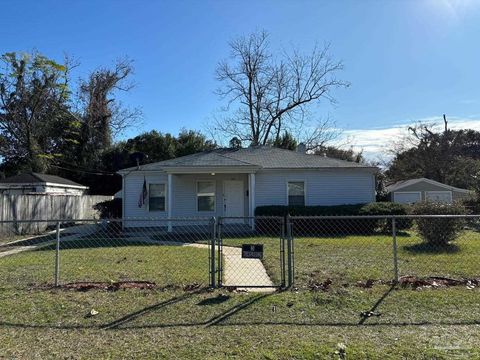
405 183
37 178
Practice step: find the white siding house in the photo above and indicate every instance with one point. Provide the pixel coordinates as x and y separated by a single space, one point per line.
233 182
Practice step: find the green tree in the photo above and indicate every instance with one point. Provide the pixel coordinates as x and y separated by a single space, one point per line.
35 118
449 156
190 142
286 141
235 143
342 154
155 146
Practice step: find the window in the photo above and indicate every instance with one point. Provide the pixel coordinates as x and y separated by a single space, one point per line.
206 196
296 193
156 197
439 196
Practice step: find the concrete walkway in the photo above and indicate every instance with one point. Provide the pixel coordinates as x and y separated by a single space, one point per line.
73 234
244 273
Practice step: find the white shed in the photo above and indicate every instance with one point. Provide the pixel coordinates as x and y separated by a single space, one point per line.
34 183
422 189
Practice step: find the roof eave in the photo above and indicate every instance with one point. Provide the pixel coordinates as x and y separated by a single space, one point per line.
20 185
196 170
372 168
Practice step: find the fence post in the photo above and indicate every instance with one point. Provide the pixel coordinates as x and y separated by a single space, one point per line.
219 254
282 251
57 255
395 249
289 251
212 252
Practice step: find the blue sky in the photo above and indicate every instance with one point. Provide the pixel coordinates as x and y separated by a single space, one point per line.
406 60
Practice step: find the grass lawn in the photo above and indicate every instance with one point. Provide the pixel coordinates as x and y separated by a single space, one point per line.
430 323
94 260
350 259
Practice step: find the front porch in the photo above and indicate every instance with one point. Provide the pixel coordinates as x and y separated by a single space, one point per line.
210 193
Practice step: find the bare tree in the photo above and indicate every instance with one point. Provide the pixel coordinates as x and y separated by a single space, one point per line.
268 94
103 116
317 134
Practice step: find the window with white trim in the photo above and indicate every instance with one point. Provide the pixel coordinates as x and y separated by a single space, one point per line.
156 197
296 193
206 195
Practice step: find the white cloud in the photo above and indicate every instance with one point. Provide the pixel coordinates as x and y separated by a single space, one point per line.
376 142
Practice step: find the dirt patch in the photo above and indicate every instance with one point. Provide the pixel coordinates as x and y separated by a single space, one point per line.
109 286
410 282
436 282
119 285
320 286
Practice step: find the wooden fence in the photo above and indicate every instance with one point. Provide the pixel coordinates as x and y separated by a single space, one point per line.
45 207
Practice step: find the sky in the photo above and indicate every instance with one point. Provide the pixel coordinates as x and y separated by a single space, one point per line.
407 61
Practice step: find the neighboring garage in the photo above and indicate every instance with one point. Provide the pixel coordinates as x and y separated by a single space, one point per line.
422 189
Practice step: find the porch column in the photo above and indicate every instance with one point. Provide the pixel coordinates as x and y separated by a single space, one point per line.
251 198
169 200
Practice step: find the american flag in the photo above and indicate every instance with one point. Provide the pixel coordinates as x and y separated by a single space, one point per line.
143 194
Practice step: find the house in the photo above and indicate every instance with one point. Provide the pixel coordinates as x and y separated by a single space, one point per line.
36 183
423 189
233 182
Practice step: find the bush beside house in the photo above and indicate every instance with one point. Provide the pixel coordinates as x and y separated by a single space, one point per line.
111 209
340 226
439 232
387 208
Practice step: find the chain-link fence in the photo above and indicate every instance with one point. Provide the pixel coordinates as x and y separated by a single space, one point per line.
250 252
162 252
418 249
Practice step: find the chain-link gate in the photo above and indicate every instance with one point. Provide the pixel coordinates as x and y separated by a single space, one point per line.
251 252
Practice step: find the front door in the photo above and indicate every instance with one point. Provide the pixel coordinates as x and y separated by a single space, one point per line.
233 199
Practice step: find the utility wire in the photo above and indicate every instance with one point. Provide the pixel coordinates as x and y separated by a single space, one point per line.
85 172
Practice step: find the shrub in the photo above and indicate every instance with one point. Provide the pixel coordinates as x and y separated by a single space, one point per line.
110 209
339 226
472 204
315 226
439 231
280 210
386 208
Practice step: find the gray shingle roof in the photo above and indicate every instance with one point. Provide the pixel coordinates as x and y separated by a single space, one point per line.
206 158
272 158
259 156
37 178
404 183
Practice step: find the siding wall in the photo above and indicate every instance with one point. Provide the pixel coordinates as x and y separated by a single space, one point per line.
325 187
184 194
62 190
133 184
